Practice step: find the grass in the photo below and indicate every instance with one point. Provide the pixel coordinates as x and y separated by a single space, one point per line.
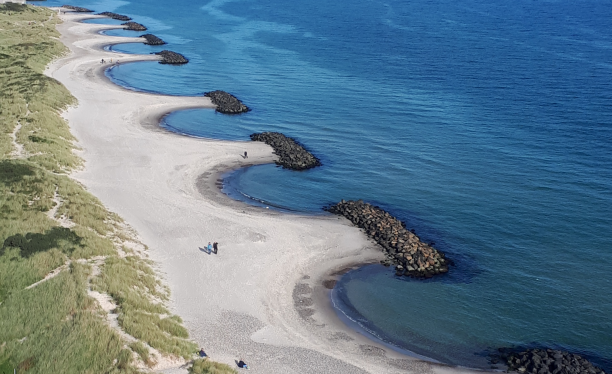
205 366
56 327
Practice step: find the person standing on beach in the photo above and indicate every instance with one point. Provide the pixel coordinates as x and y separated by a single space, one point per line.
215 247
245 154
209 248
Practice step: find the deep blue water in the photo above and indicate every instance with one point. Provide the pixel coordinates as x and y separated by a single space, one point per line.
486 126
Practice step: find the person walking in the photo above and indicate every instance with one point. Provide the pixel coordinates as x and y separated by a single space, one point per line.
209 248
215 247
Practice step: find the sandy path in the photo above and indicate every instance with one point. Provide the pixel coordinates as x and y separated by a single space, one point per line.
261 297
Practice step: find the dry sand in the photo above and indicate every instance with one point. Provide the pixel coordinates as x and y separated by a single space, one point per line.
261 298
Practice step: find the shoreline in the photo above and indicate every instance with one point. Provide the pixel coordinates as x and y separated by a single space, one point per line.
247 307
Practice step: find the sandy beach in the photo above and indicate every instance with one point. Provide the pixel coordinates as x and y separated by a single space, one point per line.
263 297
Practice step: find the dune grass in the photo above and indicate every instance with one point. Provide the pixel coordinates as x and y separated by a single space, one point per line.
56 326
205 366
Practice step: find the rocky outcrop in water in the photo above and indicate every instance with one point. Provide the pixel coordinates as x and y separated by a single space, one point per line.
152 39
547 361
404 249
133 26
173 58
226 103
77 9
116 16
291 155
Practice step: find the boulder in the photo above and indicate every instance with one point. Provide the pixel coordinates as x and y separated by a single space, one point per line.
133 26
116 16
173 58
152 39
544 361
226 103
77 9
291 154
416 259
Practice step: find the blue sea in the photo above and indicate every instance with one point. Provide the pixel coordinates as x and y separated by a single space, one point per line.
485 125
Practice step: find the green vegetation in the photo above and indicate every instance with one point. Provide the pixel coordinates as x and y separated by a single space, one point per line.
58 243
205 366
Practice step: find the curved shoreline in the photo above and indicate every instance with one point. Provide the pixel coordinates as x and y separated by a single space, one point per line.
262 316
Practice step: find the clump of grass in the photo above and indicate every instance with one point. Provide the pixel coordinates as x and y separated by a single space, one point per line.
143 352
205 366
132 284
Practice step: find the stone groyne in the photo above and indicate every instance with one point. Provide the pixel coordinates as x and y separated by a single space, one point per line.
133 26
77 9
226 103
152 39
404 249
547 361
291 155
173 58
116 16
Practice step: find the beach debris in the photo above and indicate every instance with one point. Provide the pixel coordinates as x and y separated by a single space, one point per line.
134 26
226 103
77 9
152 39
404 249
546 361
173 58
291 154
116 16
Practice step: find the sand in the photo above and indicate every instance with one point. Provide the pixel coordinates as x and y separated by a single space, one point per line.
261 298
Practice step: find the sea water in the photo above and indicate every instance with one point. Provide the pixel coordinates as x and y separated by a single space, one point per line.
485 126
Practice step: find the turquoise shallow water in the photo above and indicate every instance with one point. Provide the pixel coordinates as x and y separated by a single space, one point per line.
487 127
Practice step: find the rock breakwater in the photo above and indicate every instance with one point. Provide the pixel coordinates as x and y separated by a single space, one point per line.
404 249
547 361
173 58
134 26
119 17
226 103
152 39
291 154
77 9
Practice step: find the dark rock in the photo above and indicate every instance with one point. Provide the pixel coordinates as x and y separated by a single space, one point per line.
291 154
134 26
116 16
226 103
152 39
173 58
405 249
77 9
545 361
